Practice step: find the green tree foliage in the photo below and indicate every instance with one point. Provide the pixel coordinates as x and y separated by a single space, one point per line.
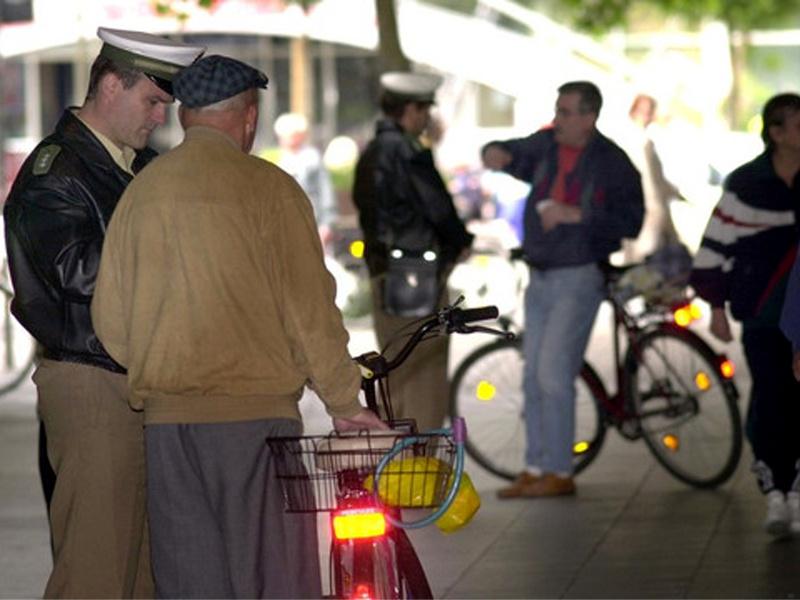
740 16
598 16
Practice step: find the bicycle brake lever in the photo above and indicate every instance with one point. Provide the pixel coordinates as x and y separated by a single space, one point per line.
481 329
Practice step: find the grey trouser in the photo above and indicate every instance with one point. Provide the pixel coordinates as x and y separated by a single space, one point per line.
95 443
217 514
419 388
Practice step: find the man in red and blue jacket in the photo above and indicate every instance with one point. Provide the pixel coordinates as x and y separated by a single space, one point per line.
586 196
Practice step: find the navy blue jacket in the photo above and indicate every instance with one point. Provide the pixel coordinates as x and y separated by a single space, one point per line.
604 183
750 243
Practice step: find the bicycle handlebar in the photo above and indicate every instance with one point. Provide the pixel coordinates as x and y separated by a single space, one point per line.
454 320
470 315
450 319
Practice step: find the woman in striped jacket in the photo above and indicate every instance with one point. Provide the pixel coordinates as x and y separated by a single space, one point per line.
744 261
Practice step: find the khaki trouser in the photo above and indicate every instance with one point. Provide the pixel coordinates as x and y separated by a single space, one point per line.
95 443
419 388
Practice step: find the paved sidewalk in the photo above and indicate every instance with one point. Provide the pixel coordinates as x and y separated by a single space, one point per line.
631 531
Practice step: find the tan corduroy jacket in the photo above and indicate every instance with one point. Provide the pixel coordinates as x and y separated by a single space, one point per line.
212 291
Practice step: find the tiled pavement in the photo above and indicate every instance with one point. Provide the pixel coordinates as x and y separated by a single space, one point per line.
631 532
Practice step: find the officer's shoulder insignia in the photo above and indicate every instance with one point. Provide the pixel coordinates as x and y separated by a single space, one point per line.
44 159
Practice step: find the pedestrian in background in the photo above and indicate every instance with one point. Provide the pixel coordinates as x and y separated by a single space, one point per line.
586 196
304 162
743 264
413 238
658 230
56 217
212 291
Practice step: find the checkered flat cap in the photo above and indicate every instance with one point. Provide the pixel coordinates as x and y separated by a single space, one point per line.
215 78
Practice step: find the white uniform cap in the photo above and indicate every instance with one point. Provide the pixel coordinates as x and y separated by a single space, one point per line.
416 87
157 57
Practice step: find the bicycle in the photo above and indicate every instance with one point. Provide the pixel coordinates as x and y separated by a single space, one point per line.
364 480
18 352
672 389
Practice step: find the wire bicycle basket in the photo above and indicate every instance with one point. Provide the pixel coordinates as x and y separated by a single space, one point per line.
319 473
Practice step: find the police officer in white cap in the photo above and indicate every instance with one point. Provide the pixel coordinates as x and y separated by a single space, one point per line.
413 238
56 217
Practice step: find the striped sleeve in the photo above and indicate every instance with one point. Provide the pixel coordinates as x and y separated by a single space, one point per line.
732 221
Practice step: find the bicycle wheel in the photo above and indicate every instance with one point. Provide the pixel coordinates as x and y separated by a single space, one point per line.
414 583
487 391
687 410
366 569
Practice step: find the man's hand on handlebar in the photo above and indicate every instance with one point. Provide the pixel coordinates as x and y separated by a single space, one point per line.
364 419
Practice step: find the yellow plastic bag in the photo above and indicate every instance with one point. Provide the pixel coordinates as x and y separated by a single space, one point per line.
464 506
411 482
417 482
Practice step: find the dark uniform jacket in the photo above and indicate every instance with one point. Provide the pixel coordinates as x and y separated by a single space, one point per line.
604 184
403 202
55 221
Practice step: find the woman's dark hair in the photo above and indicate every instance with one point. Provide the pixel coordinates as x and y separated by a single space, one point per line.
393 105
776 111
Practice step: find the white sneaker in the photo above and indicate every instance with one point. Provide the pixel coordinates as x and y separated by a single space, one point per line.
793 503
778 520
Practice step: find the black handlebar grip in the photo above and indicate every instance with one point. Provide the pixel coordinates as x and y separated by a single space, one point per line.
469 315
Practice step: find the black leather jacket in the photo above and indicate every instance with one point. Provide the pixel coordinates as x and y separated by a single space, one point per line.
55 221
403 202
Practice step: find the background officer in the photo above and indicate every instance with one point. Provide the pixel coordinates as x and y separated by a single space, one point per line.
413 238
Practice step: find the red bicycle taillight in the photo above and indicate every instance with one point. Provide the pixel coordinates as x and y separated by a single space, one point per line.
352 524
727 368
686 314
362 592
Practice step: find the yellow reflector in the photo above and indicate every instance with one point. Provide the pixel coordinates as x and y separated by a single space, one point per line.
580 447
357 524
357 248
670 442
682 316
727 368
485 391
482 260
702 381
695 311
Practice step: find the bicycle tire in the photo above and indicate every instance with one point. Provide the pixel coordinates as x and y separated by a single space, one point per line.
487 391
688 413
414 582
366 562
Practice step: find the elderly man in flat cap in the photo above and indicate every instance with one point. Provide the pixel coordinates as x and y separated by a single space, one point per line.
213 293
55 218
413 238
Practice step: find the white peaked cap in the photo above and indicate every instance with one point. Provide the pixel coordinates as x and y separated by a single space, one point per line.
157 57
